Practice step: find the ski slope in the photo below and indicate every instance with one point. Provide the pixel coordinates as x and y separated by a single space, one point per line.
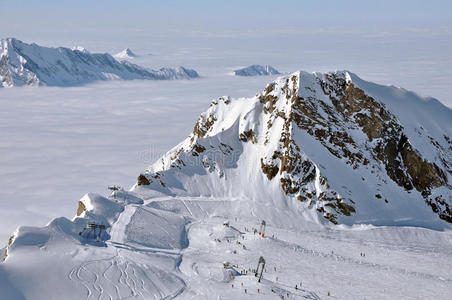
174 248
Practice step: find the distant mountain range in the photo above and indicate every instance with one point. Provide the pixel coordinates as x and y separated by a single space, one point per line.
256 70
30 64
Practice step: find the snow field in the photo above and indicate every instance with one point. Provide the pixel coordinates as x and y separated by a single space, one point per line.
175 247
322 260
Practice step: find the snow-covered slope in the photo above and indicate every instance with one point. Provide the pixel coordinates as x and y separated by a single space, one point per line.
80 48
309 151
175 247
30 64
256 70
328 145
125 54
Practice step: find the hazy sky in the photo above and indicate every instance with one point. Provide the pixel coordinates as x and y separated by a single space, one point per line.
222 18
407 43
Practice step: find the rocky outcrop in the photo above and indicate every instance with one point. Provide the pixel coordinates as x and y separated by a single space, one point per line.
142 180
403 164
298 174
81 208
248 136
10 242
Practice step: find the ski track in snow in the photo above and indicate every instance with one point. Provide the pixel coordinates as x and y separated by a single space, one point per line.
94 276
133 266
132 279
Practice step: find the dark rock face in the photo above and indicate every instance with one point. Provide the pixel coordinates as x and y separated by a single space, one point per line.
269 170
403 163
197 149
296 171
441 207
206 121
81 208
349 108
248 136
203 125
142 180
405 166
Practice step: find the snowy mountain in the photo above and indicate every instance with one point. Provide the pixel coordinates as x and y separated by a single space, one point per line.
125 54
30 64
80 48
256 70
308 152
328 145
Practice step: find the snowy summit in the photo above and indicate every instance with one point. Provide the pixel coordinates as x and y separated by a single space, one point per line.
31 64
330 147
80 48
125 54
256 70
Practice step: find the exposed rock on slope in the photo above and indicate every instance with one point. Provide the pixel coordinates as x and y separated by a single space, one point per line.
256 70
30 64
320 142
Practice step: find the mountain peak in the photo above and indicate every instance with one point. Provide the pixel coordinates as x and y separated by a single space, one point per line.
256 70
80 49
319 143
125 54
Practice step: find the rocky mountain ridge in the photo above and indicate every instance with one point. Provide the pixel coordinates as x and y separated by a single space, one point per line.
334 115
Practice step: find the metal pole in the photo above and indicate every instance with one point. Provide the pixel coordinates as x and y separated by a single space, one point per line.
262 270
